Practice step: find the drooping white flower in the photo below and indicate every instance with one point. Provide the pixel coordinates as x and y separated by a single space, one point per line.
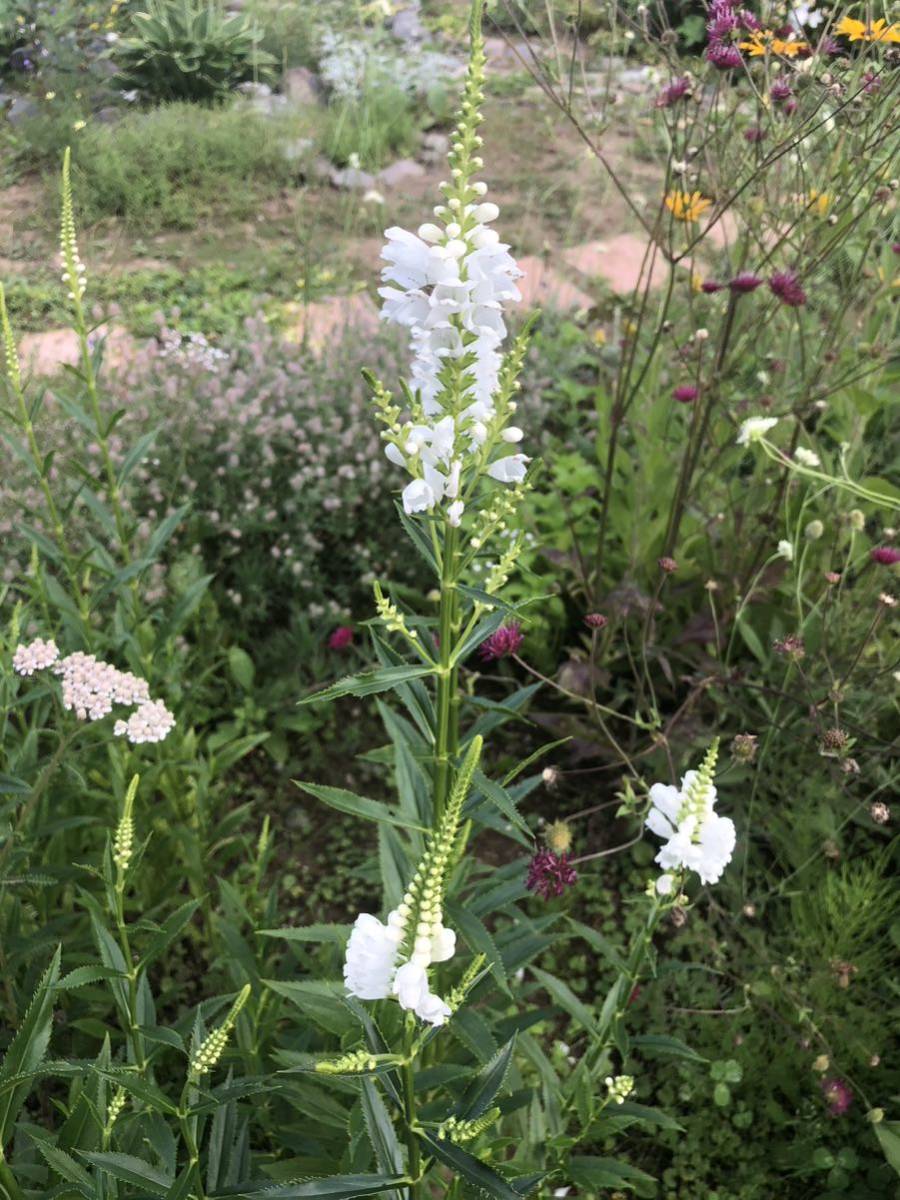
370 959
808 458
755 428
786 549
511 469
695 837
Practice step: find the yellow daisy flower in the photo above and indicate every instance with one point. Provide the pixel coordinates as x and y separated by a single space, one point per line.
859 31
687 206
762 40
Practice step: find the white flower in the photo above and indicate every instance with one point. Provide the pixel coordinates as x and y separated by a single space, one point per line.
511 469
417 497
411 989
665 884
35 656
808 458
455 512
786 549
755 428
696 837
371 953
150 722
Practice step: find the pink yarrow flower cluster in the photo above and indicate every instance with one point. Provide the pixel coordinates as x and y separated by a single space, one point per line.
91 687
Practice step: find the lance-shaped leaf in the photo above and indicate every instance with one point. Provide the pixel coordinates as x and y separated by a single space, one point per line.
369 683
470 1168
357 806
27 1049
487 1083
128 1168
335 1187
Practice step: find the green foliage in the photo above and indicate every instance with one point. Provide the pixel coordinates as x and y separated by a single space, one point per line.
189 50
175 166
371 131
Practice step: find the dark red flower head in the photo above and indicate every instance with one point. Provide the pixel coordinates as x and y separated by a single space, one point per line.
340 638
685 393
595 620
550 874
673 92
668 565
886 556
837 1095
755 133
745 282
710 286
502 642
787 287
724 56
780 90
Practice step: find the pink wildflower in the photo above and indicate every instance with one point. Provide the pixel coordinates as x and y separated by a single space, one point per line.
340 638
885 556
745 282
685 393
550 874
504 641
787 287
595 620
837 1095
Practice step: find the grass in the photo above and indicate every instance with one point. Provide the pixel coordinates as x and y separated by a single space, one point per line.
176 165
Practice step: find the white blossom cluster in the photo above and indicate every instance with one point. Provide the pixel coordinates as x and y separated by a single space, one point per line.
191 349
696 837
448 285
348 64
91 687
371 971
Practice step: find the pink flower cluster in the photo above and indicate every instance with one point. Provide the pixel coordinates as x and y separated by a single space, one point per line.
550 874
91 687
504 641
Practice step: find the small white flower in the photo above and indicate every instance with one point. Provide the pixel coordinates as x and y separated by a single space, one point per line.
786 549
665 884
369 964
417 497
755 428
511 469
808 458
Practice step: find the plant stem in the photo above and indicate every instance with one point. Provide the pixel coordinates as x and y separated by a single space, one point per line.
9 1189
414 1163
446 735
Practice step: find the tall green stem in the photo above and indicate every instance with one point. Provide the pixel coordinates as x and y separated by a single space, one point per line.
9 1189
446 731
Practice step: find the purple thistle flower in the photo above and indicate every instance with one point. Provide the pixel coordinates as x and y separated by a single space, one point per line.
744 282
721 26
724 56
750 22
675 91
755 133
790 107
885 556
780 90
837 1095
550 874
502 642
685 393
787 287
595 620
710 286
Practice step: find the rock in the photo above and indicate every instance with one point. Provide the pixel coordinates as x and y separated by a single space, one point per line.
401 172
435 147
322 323
301 86
503 54
618 261
297 150
350 179
109 115
22 109
45 354
542 287
254 89
406 25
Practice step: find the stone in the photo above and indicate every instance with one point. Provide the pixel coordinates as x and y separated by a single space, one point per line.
617 261
435 147
400 173
297 149
45 354
350 179
321 324
109 114
502 54
301 86
406 25
22 109
542 287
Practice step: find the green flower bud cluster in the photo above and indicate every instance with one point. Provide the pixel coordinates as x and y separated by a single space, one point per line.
213 1047
695 796
390 614
465 140
116 1106
457 997
74 275
11 355
455 1130
619 1088
356 1062
123 842
493 518
386 410
419 914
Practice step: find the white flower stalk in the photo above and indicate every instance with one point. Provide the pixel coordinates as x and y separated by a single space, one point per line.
393 959
448 285
696 837
754 429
